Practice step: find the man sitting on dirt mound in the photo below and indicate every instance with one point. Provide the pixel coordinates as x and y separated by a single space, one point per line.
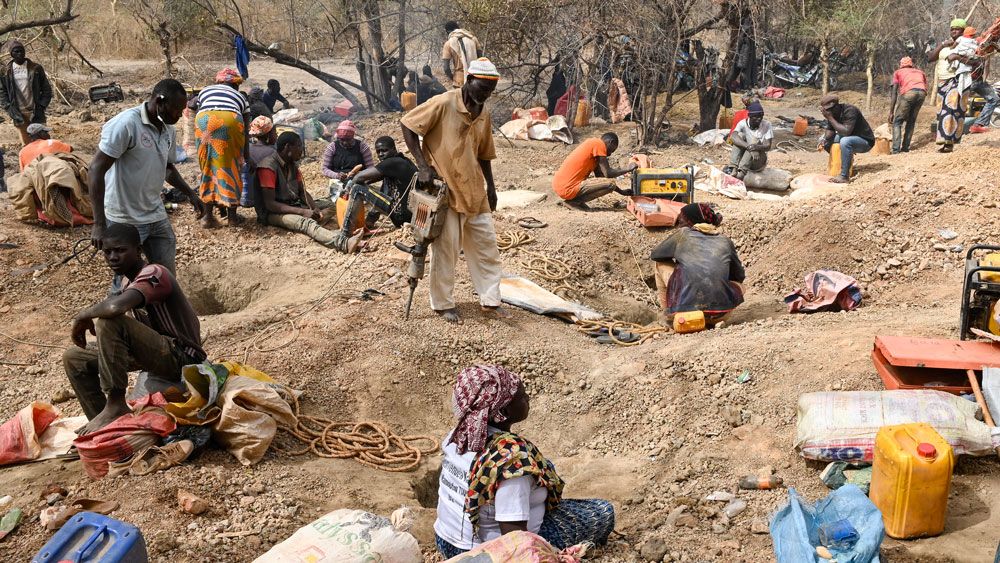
284 201
161 336
697 268
751 139
571 182
847 127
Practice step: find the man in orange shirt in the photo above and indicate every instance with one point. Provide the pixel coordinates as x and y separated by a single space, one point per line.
571 182
40 143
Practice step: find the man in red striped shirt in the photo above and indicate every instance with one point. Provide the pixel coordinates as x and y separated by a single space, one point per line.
161 335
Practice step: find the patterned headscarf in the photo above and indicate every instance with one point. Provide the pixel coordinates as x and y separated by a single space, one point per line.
261 125
229 76
701 213
481 392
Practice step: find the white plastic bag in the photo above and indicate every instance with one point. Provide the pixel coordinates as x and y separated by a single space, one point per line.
841 426
348 536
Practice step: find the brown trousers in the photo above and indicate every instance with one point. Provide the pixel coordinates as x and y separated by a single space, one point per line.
123 344
593 188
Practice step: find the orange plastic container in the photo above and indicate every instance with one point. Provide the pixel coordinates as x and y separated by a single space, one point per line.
408 100
689 321
882 146
583 113
911 475
833 164
359 217
801 127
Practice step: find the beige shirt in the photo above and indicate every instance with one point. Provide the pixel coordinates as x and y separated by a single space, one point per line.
460 47
944 70
454 143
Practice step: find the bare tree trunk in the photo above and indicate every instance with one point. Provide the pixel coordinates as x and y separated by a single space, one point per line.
397 89
163 34
870 72
824 57
371 36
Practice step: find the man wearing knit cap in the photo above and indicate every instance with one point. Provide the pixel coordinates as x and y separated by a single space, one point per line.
25 91
751 139
458 147
909 87
848 128
345 154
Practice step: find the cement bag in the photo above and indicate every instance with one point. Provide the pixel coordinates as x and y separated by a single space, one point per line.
795 527
251 413
520 547
771 179
19 435
841 426
347 536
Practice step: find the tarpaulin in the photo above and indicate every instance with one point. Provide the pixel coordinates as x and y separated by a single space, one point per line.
134 432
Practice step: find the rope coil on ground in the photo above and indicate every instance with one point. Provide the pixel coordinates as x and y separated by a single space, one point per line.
549 269
370 443
644 332
512 239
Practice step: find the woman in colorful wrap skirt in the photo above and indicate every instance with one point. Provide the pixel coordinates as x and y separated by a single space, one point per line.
221 143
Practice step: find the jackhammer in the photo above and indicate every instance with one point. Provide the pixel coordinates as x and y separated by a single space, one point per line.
428 206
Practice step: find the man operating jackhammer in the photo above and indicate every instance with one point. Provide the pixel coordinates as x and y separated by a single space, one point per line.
458 147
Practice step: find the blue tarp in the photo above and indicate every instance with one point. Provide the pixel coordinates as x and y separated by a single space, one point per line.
795 527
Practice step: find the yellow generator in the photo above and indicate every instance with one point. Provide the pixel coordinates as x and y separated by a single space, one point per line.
675 184
981 290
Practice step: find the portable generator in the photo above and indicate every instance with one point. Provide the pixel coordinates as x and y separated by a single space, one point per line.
106 93
675 184
981 290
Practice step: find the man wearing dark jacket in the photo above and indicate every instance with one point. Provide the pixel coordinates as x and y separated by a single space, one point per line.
25 91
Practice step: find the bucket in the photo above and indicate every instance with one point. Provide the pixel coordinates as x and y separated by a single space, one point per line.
801 127
911 475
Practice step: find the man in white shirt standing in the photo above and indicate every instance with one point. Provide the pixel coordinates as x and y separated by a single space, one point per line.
25 91
751 141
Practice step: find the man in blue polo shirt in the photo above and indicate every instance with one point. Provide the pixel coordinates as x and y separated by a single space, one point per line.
136 155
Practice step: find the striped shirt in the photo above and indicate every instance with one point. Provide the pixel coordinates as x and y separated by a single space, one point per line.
331 150
166 310
224 98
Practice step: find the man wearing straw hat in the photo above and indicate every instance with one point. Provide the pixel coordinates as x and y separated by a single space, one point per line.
458 147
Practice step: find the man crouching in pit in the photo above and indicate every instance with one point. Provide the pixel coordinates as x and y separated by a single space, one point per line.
160 336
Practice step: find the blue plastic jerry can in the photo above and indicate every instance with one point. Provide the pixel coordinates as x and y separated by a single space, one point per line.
92 538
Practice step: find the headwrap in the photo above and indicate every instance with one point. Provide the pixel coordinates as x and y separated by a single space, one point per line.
959 22
905 62
483 68
346 129
229 76
755 108
261 125
481 392
701 213
969 32
829 99
14 43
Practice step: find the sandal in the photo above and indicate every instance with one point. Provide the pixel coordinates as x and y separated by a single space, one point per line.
531 223
159 458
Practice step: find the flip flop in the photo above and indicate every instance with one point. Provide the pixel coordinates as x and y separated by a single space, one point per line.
531 223
104 507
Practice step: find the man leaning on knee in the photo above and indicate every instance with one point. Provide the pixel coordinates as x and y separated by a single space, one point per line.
161 335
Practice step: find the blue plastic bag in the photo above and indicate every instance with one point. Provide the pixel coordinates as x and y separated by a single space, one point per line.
795 527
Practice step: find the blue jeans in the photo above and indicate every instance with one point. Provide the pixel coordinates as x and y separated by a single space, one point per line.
848 147
158 243
988 93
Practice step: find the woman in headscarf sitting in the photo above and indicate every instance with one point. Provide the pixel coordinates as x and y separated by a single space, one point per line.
494 482
221 142
697 268
262 145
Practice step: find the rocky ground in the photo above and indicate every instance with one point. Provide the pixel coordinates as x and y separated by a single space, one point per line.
654 428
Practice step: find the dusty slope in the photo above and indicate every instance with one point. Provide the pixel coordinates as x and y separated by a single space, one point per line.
642 426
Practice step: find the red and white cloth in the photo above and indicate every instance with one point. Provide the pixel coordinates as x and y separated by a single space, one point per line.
481 393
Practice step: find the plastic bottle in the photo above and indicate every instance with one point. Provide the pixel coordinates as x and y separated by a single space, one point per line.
752 482
689 321
171 206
